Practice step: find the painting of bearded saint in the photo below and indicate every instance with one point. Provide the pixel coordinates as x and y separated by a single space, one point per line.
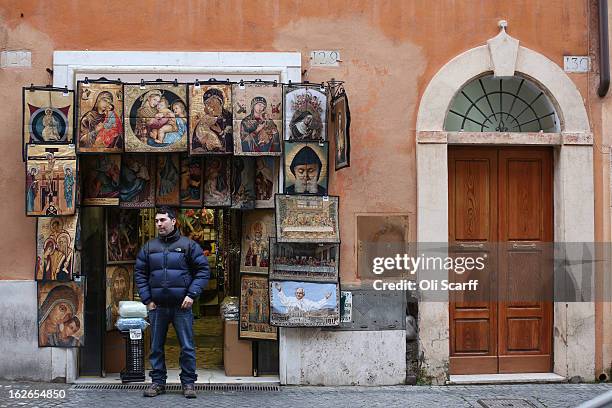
119 280
100 117
257 226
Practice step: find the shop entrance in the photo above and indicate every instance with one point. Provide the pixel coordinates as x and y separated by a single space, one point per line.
501 207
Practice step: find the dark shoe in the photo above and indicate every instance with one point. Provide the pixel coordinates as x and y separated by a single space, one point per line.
189 391
154 390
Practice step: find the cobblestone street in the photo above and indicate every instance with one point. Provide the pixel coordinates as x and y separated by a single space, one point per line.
516 396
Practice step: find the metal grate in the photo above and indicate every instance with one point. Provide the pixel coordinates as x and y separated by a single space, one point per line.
505 403
178 388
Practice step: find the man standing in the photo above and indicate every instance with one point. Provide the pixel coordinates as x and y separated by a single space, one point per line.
170 273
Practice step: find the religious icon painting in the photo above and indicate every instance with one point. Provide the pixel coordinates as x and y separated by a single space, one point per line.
258 119
168 179
55 242
100 116
217 176
50 180
304 261
339 130
305 113
210 119
119 280
257 228
255 309
243 183
307 218
137 182
191 185
199 225
306 168
156 117
47 116
304 304
122 240
266 181
100 176
60 314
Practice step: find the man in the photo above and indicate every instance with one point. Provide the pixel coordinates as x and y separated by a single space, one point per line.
306 168
170 273
299 303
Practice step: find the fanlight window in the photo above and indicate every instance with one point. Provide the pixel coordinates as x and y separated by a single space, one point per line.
509 104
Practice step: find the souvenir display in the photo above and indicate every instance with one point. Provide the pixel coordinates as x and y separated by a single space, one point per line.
243 183
304 304
302 218
305 113
146 225
191 186
266 181
217 176
167 179
100 117
47 116
339 129
255 309
156 117
119 281
304 261
50 180
100 175
199 225
306 168
258 115
137 188
55 241
60 314
122 242
257 228
210 119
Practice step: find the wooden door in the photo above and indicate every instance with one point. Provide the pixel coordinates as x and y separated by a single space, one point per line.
500 207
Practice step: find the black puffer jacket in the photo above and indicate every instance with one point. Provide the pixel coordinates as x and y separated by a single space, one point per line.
170 268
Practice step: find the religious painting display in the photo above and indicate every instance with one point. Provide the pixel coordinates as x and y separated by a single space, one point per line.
100 175
255 309
137 183
168 179
304 261
305 113
243 183
100 116
122 241
119 281
60 314
339 129
199 225
47 116
266 181
210 119
191 187
301 218
258 119
156 117
55 240
146 225
306 168
217 176
304 304
257 228
50 180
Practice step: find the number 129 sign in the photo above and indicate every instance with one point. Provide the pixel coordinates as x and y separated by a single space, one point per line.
576 63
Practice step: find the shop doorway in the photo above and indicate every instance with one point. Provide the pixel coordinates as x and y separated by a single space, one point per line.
501 207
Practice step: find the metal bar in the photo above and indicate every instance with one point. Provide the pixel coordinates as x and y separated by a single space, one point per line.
604 50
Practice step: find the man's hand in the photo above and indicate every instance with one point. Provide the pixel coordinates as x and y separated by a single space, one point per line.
187 302
151 305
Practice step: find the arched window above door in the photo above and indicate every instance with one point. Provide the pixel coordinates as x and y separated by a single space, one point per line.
503 104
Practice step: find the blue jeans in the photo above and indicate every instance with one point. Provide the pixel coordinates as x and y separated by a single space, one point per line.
182 320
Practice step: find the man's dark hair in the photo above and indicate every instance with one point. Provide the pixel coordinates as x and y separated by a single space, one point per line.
306 156
165 209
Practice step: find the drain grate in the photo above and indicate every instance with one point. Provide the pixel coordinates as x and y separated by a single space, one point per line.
505 403
177 387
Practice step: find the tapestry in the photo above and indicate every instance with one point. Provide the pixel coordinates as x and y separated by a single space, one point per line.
306 168
55 241
122 235
137 185
304 304
119 286
191 187
100 175
301 218
210 119
243 183
340 125
217 176
305 113
156 117
255 309
168 179
257 228
266 181
304 261
60 314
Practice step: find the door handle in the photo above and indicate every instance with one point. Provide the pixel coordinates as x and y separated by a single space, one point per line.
523 246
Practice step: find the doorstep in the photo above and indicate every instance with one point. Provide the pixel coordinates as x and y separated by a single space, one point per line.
204 377
521 378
